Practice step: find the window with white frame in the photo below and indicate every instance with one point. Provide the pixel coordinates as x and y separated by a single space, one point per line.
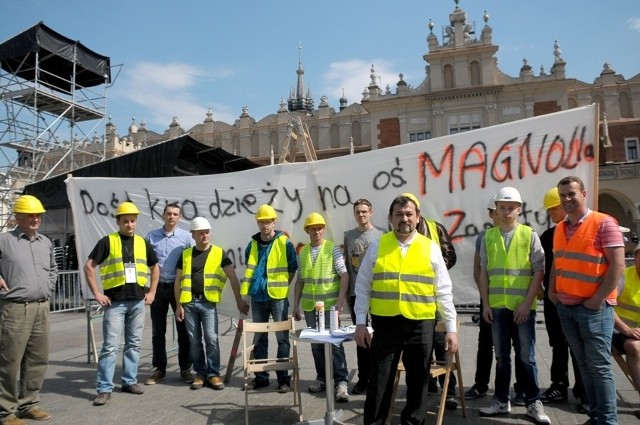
631 148
419 135
459 123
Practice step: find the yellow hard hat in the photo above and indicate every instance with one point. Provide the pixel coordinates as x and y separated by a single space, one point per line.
28 204
551 198
127 208
314 219
412 197
266 212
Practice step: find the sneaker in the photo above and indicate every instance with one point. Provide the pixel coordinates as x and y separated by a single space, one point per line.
342 393
187 376
155 377
197 383
216 382
536 411
553 394
132 389
317 387
284 388
451 403
360 387
496 408
473 393
36 414
101 399
255 384
520 399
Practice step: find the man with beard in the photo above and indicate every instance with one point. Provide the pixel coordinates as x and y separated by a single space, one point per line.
403 281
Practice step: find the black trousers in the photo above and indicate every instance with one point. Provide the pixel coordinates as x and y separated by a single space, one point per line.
159 310
363 354
394 337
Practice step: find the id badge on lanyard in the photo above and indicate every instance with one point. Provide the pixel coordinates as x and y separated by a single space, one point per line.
130 273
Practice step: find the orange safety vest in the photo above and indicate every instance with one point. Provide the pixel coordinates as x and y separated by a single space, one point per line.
580 268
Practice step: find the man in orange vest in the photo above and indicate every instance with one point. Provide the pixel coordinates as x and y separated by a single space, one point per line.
588 262
626 337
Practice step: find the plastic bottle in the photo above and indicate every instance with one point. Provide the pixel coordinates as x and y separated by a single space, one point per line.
334 320
320 316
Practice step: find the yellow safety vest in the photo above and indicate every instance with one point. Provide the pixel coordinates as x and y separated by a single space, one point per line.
112 269
433 231
510 272
321 282
214 276
277 268
628 308
404 285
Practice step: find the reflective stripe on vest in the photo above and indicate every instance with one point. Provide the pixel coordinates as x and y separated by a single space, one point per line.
509 271
404 285
579 267
112 269
214 276
277 268
321 282
628 308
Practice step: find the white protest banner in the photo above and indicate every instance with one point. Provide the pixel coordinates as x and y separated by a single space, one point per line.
453 177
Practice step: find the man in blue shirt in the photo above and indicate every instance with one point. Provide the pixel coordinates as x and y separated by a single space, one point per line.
168 242
271 266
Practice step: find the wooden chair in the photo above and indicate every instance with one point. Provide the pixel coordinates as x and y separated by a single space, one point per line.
438 368
618 357
252 365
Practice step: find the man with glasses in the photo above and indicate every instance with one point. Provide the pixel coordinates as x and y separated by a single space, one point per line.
356 242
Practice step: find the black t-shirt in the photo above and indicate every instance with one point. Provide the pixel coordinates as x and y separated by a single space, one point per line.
128 291
546 240
198 260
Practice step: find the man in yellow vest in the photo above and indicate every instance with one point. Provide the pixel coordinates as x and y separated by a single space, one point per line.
403 281
588 263
322 277
626 337
271 266
201 274
511 272
125 261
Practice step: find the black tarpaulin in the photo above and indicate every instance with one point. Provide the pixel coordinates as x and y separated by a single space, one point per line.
177 157
56 55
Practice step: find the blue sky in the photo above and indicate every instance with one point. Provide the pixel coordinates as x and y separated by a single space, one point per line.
180 58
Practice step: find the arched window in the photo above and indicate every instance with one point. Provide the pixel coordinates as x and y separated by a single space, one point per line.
449 82
275 142
315 138
597 99
356 133
335 136
476 75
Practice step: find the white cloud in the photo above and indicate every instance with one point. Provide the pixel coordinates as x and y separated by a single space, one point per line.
634 23
160 91
354 75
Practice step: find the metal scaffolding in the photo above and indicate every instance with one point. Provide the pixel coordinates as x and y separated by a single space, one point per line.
54 98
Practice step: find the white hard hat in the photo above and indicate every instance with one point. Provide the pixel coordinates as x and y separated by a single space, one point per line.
508 194
200 223
492 203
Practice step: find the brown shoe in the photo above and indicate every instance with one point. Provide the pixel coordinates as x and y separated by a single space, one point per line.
187 376
155 377
132 389
101 399
197 383
13 420
36 414
216 382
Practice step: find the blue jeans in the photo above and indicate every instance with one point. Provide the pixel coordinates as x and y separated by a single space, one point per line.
340 371
127 314
279 311
589 335
503 332
201 317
